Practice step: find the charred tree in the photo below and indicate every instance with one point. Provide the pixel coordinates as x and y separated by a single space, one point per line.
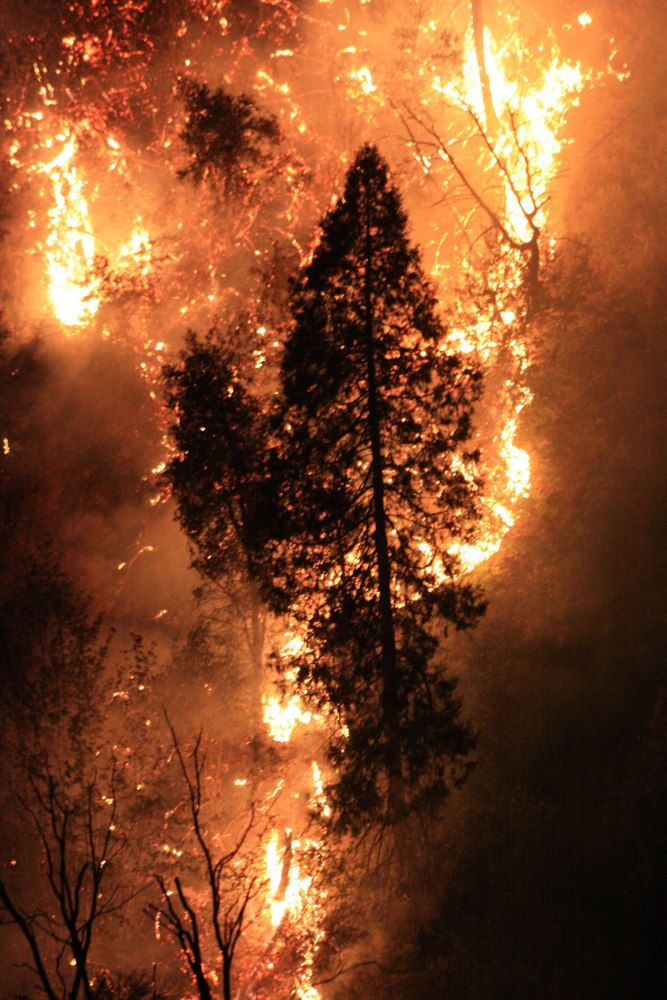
376 413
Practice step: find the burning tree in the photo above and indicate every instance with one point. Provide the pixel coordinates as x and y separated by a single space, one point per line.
97 137
375 414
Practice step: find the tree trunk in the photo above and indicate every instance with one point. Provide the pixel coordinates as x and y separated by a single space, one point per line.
26 928
81 979
533 280
202 984
256 650
226 977
256 635
390 708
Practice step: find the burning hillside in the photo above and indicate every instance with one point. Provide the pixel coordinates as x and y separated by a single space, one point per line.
298 260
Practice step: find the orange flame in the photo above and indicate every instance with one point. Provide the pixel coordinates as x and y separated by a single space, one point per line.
70 244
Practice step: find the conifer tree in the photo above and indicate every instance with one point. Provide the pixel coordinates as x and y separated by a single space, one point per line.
376 488
226 137
220 477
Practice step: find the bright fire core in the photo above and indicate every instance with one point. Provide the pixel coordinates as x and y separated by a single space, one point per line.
517 155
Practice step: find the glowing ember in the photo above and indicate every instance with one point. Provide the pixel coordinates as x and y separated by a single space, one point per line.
517 461
282 717
319 795
364 78
138 252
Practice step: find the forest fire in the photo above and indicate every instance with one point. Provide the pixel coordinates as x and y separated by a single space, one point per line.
522 128
70 245
224 193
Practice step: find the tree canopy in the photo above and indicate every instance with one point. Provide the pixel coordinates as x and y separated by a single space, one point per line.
375 415
226 136
218 473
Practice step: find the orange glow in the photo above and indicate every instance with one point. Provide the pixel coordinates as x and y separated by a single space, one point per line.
364 78
524 146
137 251
70 244
532 93
287 886
282 715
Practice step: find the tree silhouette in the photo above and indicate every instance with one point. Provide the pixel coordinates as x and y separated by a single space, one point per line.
220 478
226 137
69 791
76 830
375 414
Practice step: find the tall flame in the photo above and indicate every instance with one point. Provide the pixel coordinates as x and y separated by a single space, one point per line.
522 147
70 244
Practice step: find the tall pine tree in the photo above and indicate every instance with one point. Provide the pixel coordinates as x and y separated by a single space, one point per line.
375 416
